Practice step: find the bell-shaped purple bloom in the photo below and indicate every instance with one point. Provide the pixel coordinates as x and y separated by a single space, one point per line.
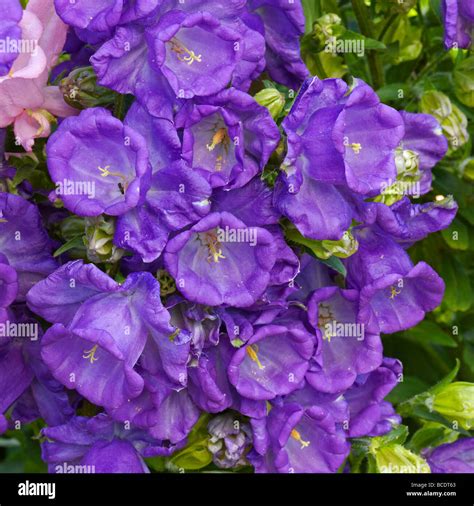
333 153
165 412
458 23
457 457
409 223
347 350
299 440
394 293
228 138
24 247
177 197
10 33
209 384
95 16
273 362
178 56
162 140
370 415
284 24
98 164
97 351
98 445
221 260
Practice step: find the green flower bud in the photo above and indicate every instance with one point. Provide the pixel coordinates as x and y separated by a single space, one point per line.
436 103
451 118
464 81
407 182
167 283
326 26
99 240
407 162
272 99
343 248
396 459
456 403
455 128
80 89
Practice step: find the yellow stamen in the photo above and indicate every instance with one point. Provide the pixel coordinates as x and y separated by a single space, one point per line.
327 336
219 163
174 335
296 435
214 247
220 137
183 53
356 147
394 292
252 351
105 172
90 354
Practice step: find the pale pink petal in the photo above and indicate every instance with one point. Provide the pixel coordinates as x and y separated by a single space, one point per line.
55 104
54 30
31 125
16 95
32 63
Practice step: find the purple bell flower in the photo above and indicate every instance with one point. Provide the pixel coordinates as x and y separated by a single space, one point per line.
457 457
458 23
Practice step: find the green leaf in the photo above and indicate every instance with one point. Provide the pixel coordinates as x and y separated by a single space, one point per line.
464 81
368 43
458 295
193 457
75 242
392 92
406 389
293 235
431 333
430 436
335 264
457 235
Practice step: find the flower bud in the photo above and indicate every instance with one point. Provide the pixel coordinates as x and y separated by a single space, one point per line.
99 240
272 99
451 118
80 89
436 103
456 403
326 26
396 459
229 440
343 248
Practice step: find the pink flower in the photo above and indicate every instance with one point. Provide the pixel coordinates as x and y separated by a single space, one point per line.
26 100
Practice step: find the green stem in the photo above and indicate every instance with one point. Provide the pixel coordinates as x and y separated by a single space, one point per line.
119 107
367 29
319 67
387 25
